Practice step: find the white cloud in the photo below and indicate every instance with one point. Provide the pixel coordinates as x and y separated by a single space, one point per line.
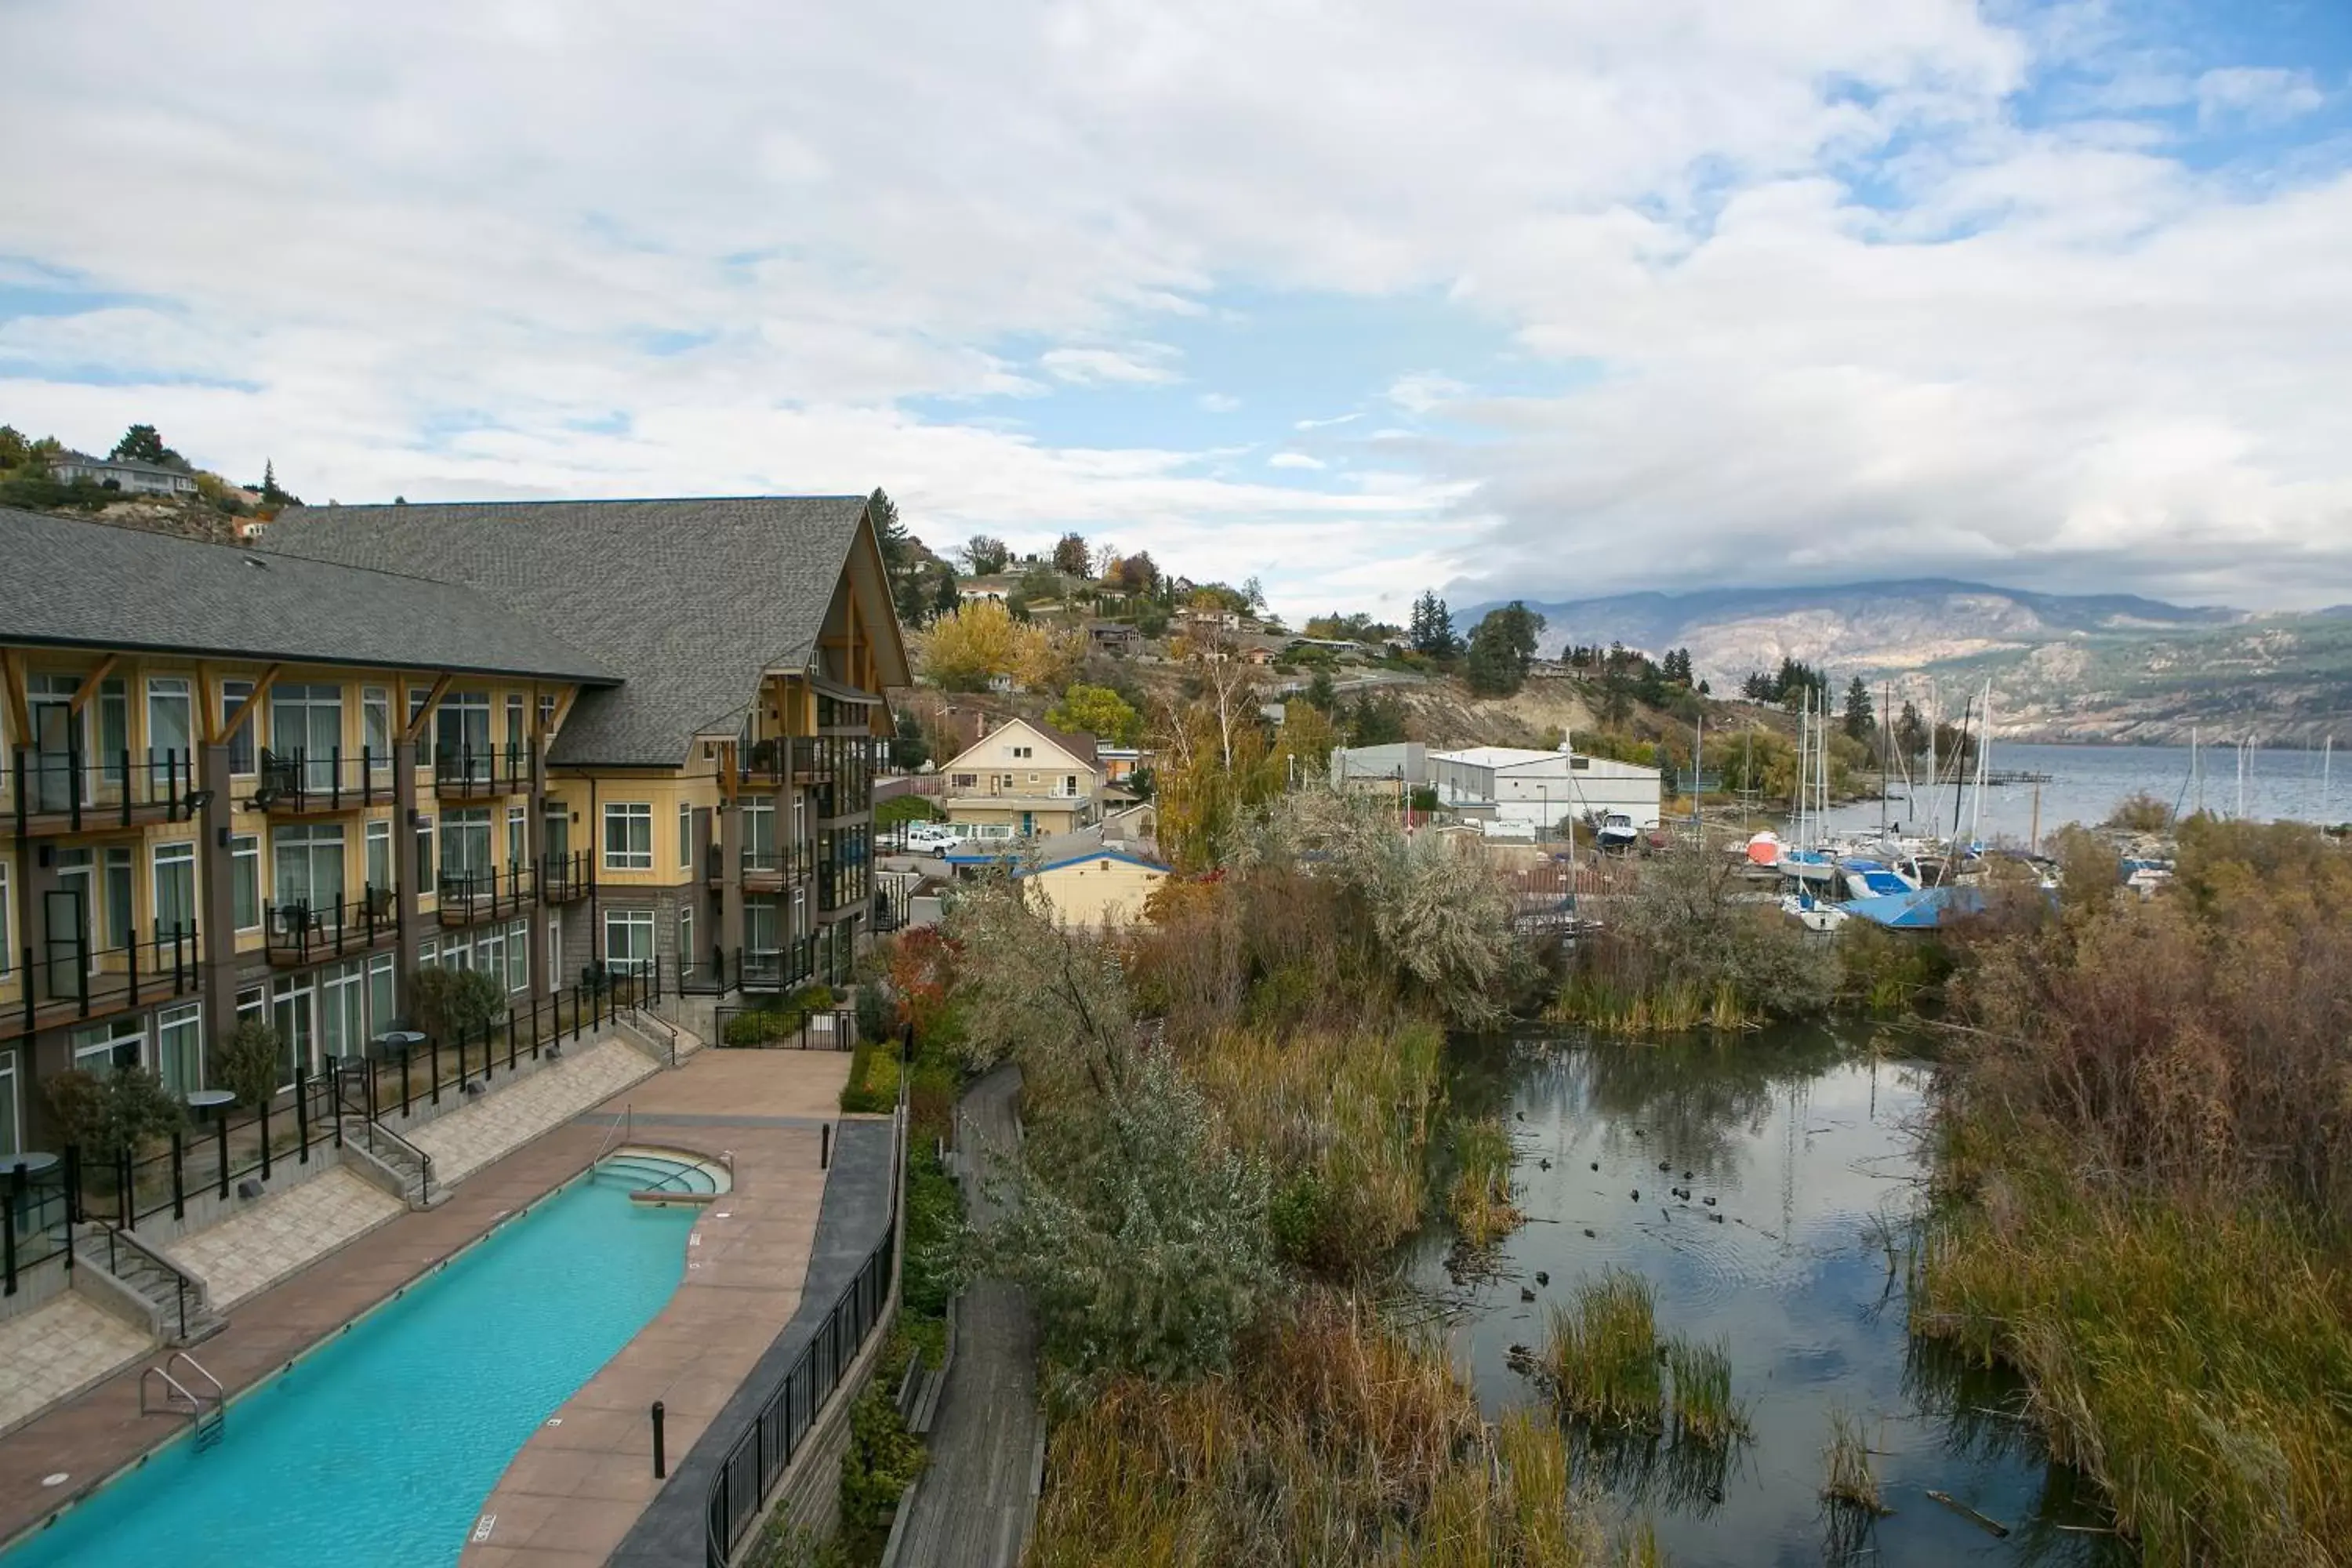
2072 353
1293 460
1143 365
1217 403
2258 96
1327 424
1425 391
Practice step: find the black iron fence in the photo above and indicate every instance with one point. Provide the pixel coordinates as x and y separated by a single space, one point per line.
564 878
306 1116
66 975
302 781
759 1457
299 932
778 969
466 774
469 896
70 790
779 1029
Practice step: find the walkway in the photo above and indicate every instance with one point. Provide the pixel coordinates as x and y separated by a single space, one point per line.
973 1506
464 1140
579 1485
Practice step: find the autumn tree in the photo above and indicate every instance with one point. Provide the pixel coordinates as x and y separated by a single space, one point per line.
1071 555
967 648
1100 711
986 555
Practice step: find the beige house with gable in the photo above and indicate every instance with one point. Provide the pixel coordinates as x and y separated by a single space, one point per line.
1026 777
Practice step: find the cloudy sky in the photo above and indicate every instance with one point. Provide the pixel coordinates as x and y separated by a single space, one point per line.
1542 297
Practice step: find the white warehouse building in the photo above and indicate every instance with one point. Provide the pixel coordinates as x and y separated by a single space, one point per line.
1512 787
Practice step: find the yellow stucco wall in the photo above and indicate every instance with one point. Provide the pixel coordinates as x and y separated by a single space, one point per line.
1090 892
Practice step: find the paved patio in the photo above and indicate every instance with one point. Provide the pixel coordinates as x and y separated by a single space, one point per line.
57 1348
578 1485
464 1140
282 1234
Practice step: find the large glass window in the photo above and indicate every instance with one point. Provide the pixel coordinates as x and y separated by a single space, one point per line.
113 726
309 860
180 1048
375 725
241 747
461 727
292 1000
518 956
424 855
686 839
175 889
307 721
8 924
628 941
342 1018
517 848
628 836
245 878
418 696
379 857
170 719
120 927
380 1014
466 847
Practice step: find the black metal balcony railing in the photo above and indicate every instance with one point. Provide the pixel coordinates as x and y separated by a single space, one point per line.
298 932
564 879
470 896
469 774
296 782
69 977
784 968
72 789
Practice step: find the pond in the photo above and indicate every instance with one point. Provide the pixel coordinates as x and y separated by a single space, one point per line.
1809 1147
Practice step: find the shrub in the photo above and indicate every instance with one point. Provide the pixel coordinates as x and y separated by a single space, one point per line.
873 1083
253 1064
2141 813
763 1027
454 1004
109 1113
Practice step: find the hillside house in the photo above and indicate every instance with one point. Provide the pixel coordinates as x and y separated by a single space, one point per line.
121 474
1027 777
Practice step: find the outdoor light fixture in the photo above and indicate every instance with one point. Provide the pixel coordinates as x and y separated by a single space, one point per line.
195 801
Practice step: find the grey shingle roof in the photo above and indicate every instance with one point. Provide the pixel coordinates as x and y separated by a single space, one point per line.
690 601
93 584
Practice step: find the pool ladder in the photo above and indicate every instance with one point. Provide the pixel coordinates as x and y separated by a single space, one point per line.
200 1399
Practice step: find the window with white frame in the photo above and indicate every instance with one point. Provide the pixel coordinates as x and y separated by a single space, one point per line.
629 940
105 1047
686 837
375 725
379 857
175 889
628 835
306 865
170 718
245 879
466 847
429 953
342 1009
293 1008
379 985
518 956
490 953
241 745
307 721
8 924
180 1048
518 849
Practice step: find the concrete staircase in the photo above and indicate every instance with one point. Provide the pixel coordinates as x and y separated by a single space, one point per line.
409 1164
177 1305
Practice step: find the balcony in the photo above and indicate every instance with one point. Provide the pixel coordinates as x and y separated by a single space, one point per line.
73 981
469 774
300 933
780 760
55 793
567 879
299 783
769 871
469 898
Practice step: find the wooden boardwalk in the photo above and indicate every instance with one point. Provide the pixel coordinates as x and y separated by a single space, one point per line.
973 1505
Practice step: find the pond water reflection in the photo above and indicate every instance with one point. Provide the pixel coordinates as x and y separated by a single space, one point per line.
1809 1148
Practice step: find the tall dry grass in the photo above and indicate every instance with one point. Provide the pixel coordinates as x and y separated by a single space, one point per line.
1480 1197
2147 1174
1335 1441
1343 1118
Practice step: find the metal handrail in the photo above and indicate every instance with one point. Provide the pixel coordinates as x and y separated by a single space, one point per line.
195 1400
182 1281
628 1123
373 1128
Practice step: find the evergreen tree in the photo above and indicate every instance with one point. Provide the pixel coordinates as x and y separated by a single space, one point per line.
945 600
1861 718
1501 648
141 444
1910 731
1319 692
1431 628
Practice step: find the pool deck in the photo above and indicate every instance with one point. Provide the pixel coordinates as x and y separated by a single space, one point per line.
765 1106
572 1493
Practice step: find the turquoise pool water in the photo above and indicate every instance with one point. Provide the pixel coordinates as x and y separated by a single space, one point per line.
377 1451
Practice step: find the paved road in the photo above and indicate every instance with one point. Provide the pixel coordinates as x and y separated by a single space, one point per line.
973 1509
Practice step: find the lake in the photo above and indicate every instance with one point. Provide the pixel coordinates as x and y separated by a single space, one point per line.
1806 1143
2085 782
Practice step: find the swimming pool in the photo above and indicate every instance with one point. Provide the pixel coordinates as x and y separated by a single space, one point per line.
377 1451
676 1174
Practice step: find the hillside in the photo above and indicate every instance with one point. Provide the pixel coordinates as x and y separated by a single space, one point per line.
2105 667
